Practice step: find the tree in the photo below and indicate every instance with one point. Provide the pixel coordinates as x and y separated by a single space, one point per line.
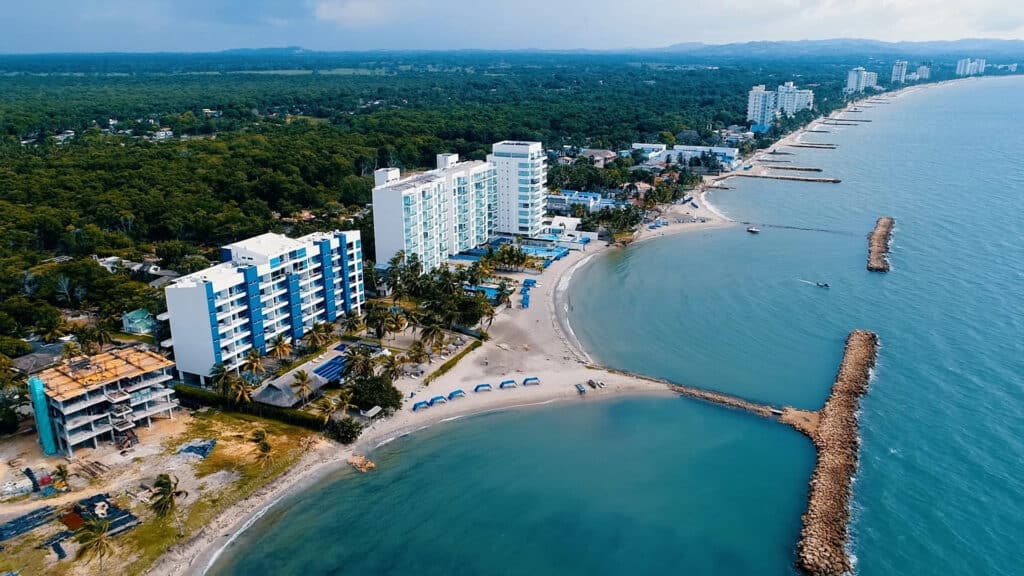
166 496
94 540
345 430
417 352
376 391
280 347
359 363
254 362
377 319
315 338
351 322
70 350
326 406
395 322
303 383
432 335
263 454
391 366
241 391
220 376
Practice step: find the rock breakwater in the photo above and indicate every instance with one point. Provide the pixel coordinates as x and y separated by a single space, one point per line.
878 245
822 547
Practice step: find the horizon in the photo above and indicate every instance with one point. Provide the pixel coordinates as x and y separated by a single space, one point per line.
679 48
205 26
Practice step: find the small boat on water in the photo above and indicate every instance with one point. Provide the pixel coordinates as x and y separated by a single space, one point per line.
822 284
754 230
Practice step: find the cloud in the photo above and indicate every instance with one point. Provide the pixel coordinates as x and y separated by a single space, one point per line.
354 13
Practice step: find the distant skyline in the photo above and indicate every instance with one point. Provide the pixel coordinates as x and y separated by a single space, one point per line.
213 25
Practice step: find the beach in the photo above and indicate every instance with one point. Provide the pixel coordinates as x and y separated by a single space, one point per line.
537 341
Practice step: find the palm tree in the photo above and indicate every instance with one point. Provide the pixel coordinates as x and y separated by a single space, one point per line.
220 377
54 332
60 475
101 334
263 455
395 323
417 352
253 362
70 350
325 407
391 366
359 362
241 391
166 497
432 334
376 319
302 381
94 540
488 313
351 323
280 347
315 337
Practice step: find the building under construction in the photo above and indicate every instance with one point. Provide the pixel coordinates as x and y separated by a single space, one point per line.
103 397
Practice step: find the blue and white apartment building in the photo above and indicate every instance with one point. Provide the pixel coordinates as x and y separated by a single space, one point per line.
266 286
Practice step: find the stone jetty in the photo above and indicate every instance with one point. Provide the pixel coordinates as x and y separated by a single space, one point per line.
780 177
797 168
878 245
818 146
724 400
822 547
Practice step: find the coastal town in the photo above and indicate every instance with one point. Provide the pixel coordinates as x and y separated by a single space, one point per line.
145 440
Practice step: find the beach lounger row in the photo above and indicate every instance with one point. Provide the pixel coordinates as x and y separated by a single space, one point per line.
460 393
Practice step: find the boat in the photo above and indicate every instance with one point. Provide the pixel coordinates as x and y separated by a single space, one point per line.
754 230
822 284
581 389
592 384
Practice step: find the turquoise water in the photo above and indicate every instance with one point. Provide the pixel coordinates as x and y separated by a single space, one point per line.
658 485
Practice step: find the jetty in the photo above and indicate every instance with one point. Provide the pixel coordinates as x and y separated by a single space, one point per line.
818 146
878 245
836 123
797 168
762 410
793 178
819 131
851 120
825 533
771 160
777 153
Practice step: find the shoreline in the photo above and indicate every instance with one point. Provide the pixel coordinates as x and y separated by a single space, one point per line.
207 546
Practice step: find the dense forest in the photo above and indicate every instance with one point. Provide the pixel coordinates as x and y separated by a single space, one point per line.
289 143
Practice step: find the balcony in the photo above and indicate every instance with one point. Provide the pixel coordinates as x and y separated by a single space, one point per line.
116 396
84 419
79 437
122 425
154 409
82 404
147 382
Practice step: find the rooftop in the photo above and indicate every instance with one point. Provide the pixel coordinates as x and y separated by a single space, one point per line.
86 373
269 244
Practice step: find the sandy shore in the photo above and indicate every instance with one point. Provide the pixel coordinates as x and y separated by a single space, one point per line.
524 342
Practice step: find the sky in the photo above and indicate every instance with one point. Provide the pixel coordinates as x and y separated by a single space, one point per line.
211 25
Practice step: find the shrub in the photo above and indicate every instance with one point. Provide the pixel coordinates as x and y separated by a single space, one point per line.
193 397
13 347
452 362
376 391
346 430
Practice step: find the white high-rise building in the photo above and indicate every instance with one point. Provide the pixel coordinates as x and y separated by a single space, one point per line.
434 214
858 79
522 183
790 99
970 67
870 79
899 72
923 72
761 106
267 286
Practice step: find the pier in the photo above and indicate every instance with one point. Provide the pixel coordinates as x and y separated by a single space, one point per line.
822 547
797 168
878 245
818 146
851 120
844 123
771 160
793 178
819 131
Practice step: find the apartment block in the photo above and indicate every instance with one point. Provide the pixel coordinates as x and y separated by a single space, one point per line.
761 106
521 169
899 72
104 397
790 99
859 79
267 286
434 214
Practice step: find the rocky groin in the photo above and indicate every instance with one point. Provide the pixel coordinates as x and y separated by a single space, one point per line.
822 547
878 245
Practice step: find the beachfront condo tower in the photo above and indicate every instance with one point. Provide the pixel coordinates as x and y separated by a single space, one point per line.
434 214
790 99
267 286
761 106
521 169
899 72
858 79
970 67
923 72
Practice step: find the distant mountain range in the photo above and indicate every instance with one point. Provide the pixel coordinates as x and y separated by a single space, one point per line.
975 47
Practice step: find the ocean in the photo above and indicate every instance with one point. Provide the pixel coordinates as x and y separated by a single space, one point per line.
655 485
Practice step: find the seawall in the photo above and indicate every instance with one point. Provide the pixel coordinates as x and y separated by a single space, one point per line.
878 245
822 547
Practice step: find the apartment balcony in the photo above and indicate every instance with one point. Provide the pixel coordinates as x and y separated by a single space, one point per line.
122 425
82 404
147 382
79 437
150 395
82 420
120 411
158 408
117 396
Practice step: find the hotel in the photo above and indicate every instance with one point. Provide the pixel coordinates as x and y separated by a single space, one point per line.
899 72
521 169
970 67
266 286
434 214
859 79
790 99
103 397
761 108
